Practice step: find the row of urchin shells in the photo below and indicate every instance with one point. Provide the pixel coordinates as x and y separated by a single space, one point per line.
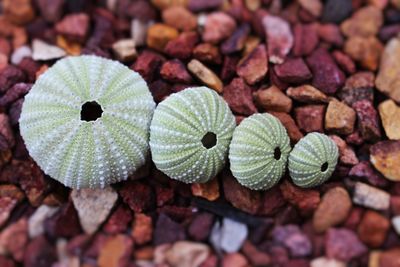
191 132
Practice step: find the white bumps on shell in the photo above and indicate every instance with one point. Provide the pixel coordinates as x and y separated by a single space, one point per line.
258 152
190 134
95 153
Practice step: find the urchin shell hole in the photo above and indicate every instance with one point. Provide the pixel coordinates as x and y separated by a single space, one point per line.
209 140
91 111
277 153
324 167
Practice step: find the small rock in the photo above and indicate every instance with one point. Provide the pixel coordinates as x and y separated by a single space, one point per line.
364 170
51 10
93 206
330 33
14 239
306 94
293 70
180 18
209 190
367 120
347 156
344 61
339 118
390 114
273 99
118 221
125 50
253 67
203 5
64 222
325 262
332 210
389 258
207 76
147 64
229 236
40 253
255 256
75 27
10 76
44 51
168 231
116 252
364 22
234 260
239 97
200 226
373 229
236 42
218 26
358 86
396 224
142 229
310 118
175 71
187 254
314 7
182 46
19 12
7 139
139 31
7 205
290 125
327 76
272 202
385 156
138 196
371 197
366 50
6 262
305 39
306 200
294 239
36 221
20 53
208 53
343 244
158 35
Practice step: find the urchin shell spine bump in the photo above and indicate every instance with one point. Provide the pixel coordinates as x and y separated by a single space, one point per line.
190 134
313 160
86 121
259 151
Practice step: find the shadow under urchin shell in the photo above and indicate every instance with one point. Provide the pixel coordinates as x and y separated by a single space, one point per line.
179 129
258 152
313 160
78 148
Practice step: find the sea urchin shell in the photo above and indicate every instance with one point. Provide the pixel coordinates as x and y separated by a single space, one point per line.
313 160
190 134
86 121
258 152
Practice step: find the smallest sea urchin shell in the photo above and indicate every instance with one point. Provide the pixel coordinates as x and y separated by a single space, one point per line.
313 160
258 152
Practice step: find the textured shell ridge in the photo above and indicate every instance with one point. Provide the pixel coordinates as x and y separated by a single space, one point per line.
81 153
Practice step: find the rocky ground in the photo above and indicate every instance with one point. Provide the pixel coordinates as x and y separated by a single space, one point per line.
330 66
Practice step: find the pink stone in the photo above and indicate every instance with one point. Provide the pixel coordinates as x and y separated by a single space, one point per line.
343 244
330 33
239 97
74 27
175 71
182 46
218 26
310 118
293 70
344 61
367 120
254 66
305 39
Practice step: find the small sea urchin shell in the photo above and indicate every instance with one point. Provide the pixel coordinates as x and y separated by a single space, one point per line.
86 121
258 152
190 134
313 160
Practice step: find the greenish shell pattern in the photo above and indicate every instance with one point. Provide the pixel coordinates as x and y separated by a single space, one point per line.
178 126
80 153
252 151
307 158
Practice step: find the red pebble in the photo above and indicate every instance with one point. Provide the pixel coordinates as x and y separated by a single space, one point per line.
182 46
148 64
138 196
175 71
344 61
305 39
343 244
310 118
75 27
293 70
118 221
239 97
367 119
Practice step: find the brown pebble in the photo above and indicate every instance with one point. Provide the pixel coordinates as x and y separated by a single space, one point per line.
390 116
366 50
158 35
365 22
385 156
339 118
254 66
273 99
293 131
373 229
204 74
307 94
180 18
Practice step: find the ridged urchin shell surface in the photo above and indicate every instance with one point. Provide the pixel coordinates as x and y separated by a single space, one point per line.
258 152
178 127
313 160
81 153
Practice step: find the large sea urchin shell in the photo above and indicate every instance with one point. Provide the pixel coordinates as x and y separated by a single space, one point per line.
190 134
313 160
258 152
86 121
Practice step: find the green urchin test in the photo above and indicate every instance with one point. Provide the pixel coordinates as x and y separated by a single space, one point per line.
86 121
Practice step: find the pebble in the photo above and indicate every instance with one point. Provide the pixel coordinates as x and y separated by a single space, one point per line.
371 197
180 18
336 11
158 35
293 70
239 97
310 118
306 200
347 156
45 51
389 70
7 205
343 244
396 224
14 238
331 34
182 46
279 38
6 133
167 230
255 256
208 53
20 53
367 120
389 258
64 222
115 252
75 27
292 129
373 229
234 260
142 228
139 31
209 190
294 239
237 41
93 206
306 94
253 67
358 86
138 196
19 12
273 99
175 71
218 26
314 7
389 113
118 221
344 61
333 209
203 5
339 118
36 221
200 227
187 254
204 74
364 170
364 22
305 39
326 262
51 10
39 253
385 156
366 50
228 235
125 50
327 76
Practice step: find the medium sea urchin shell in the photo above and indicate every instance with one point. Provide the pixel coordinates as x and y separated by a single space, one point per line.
258 152
190 134
313 160
86 121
